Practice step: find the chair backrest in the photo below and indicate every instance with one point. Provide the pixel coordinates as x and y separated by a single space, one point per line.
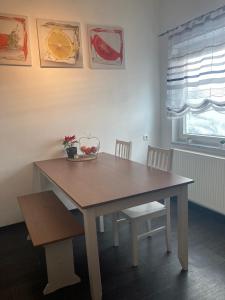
160 158
122 149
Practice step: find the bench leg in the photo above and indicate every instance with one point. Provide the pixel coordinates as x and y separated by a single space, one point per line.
60 265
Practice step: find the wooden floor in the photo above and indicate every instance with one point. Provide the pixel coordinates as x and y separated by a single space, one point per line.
23 274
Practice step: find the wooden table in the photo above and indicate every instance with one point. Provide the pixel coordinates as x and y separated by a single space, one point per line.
109 184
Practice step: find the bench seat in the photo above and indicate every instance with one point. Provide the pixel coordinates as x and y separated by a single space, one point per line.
51 225
47 219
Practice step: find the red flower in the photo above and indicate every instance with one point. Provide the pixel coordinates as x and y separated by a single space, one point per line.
68 141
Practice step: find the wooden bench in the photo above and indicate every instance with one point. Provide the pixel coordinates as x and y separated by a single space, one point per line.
51 225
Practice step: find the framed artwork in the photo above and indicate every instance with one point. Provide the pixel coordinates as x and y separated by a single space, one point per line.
106 47
14 40
59 44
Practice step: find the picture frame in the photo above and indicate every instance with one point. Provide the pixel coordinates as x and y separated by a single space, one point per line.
14 40
106 47
59 43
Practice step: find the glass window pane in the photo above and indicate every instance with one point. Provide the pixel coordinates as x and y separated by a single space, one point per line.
209 123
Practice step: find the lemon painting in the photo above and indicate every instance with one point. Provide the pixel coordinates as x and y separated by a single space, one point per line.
59 44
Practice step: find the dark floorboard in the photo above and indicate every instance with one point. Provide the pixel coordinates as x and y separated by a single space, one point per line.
159 276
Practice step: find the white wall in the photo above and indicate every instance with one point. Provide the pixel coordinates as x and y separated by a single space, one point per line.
39 106
171 14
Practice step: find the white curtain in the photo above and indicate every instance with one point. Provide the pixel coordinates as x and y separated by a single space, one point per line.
196 66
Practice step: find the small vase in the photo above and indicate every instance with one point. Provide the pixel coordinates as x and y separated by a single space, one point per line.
71 152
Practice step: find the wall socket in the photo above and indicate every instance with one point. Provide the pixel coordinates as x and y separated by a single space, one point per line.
145 137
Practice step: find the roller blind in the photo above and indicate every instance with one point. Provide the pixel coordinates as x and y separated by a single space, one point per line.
196 66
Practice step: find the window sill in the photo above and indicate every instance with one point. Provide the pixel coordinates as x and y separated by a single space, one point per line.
209 150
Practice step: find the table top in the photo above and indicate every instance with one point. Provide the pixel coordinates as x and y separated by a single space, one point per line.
107 178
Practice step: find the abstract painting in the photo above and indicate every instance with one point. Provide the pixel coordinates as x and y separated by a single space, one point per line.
14 40
106 47
59 44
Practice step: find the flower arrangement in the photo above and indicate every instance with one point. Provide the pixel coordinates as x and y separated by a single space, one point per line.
69 141
88 147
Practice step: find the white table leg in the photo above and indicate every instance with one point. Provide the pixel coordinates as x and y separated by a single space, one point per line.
36 180
92 254
40 182
60 266
182 225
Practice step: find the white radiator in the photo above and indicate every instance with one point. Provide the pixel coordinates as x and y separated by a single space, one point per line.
208 173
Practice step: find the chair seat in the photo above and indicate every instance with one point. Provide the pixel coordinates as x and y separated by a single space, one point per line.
144 210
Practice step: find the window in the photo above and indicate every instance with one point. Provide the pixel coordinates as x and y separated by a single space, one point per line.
210 123
196 79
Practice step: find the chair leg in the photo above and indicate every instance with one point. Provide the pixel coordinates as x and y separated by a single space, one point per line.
168 225
115 230
134 239
149 225
101 224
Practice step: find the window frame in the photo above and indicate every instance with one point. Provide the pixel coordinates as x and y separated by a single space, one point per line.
207 144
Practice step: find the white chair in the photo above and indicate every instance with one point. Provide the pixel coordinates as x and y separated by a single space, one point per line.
122 150
160 159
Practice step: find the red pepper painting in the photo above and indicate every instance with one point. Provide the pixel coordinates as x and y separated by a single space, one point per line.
14 48
106 46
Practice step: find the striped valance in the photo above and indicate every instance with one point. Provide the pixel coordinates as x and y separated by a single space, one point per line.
196 65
